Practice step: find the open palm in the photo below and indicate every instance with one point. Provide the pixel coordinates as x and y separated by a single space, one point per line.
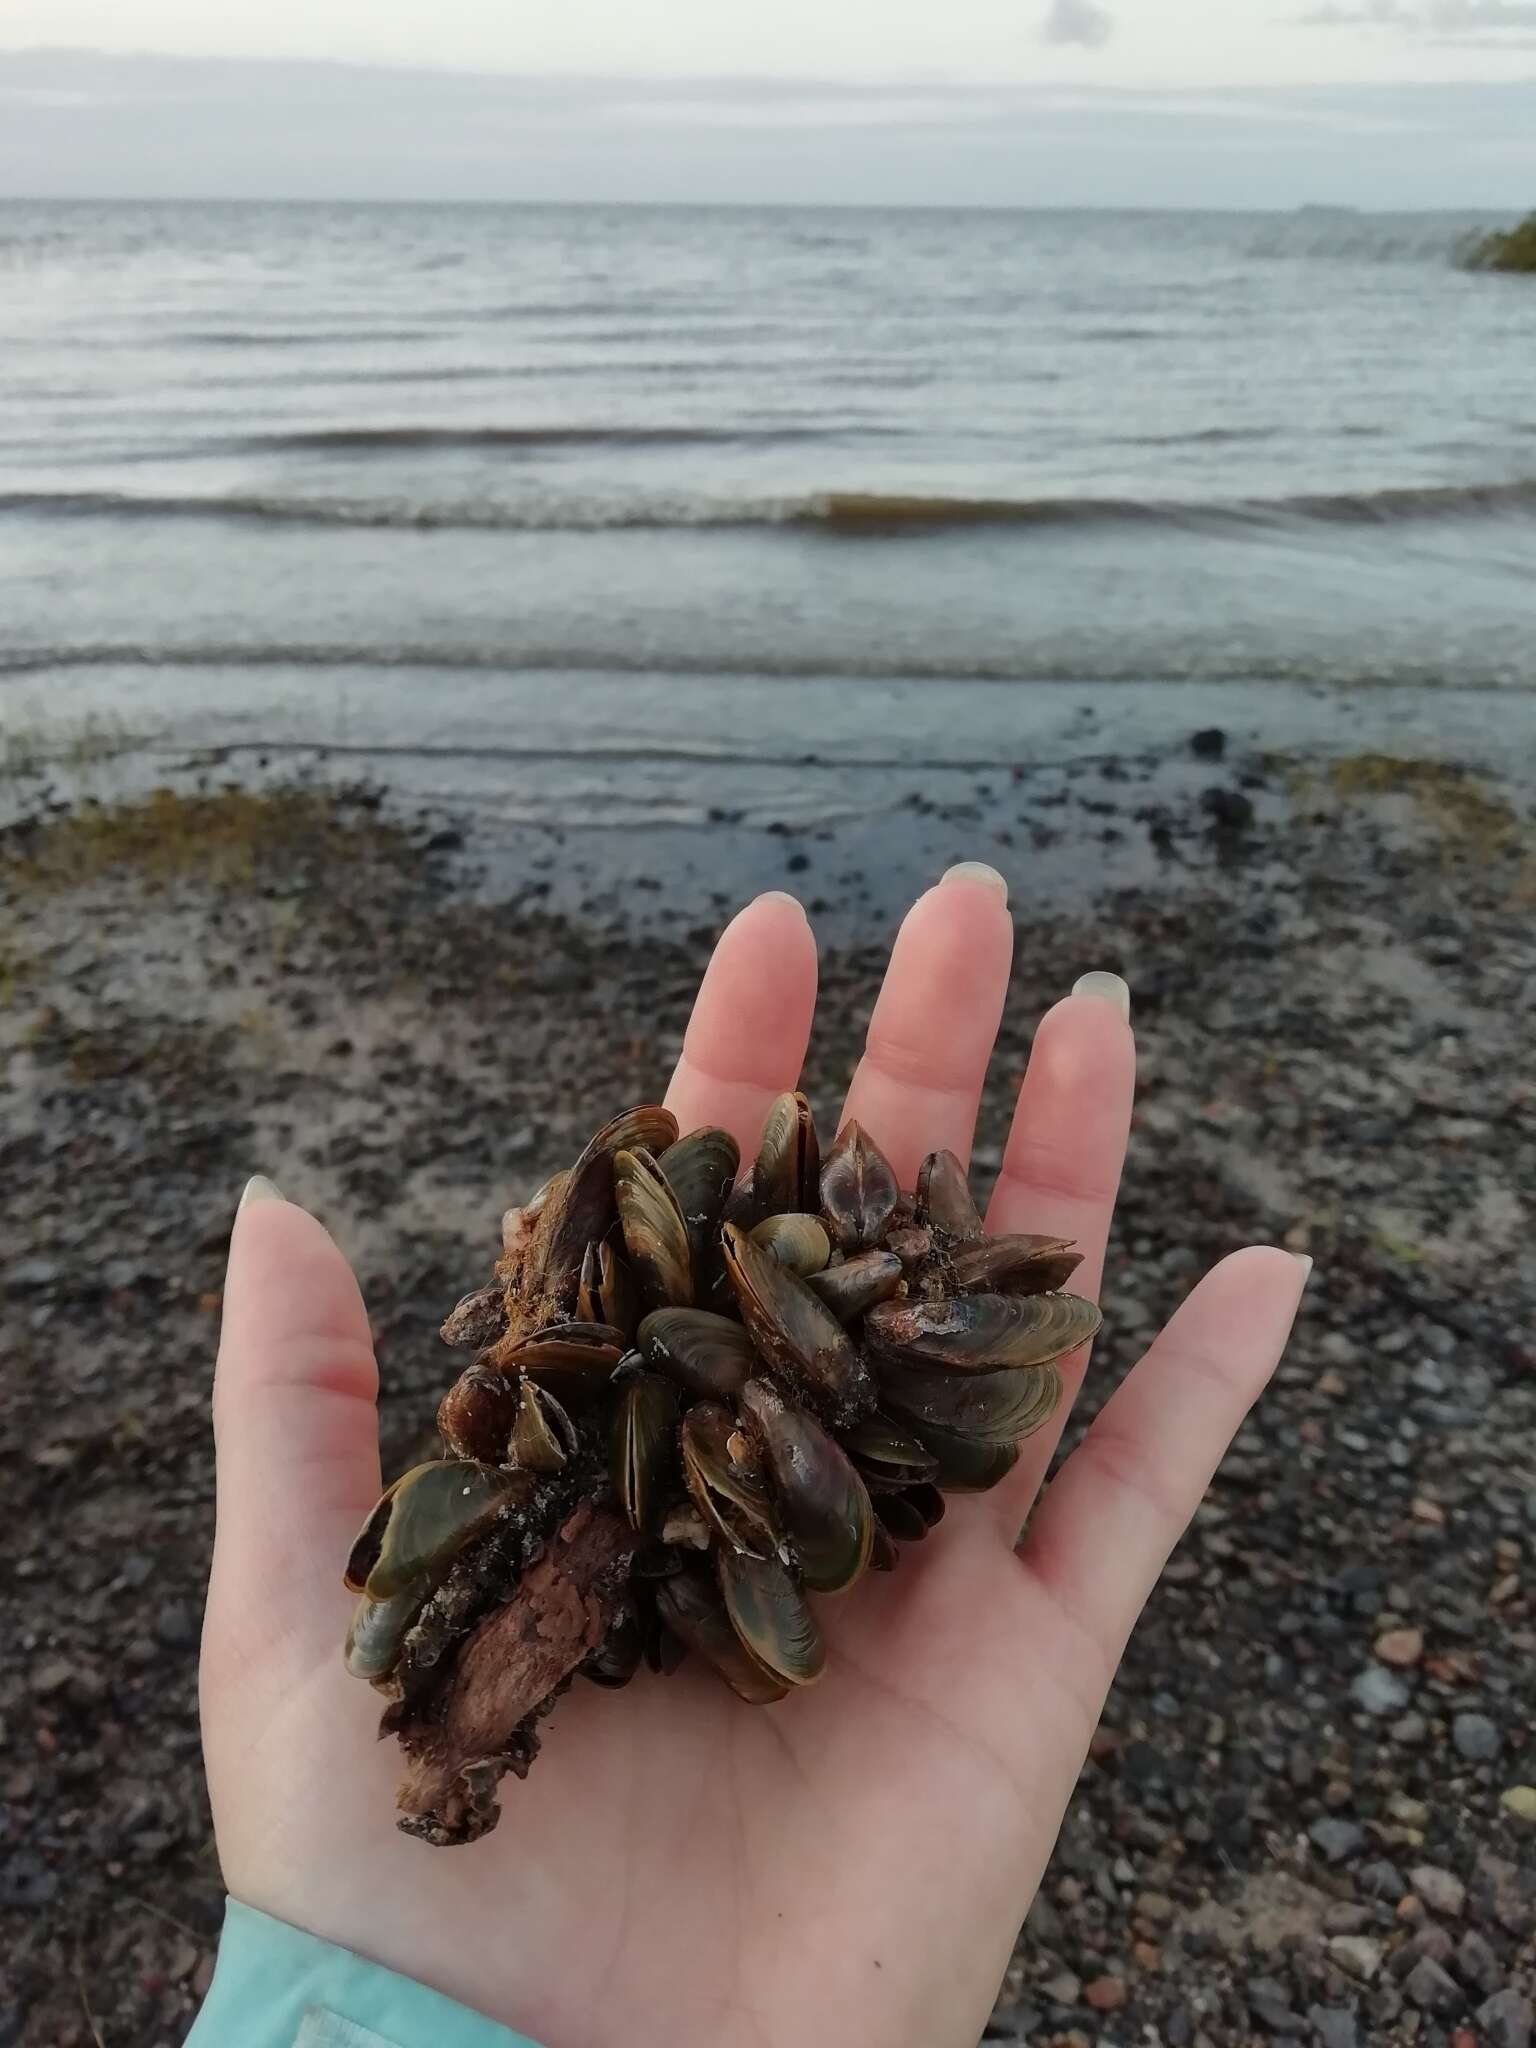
851 1865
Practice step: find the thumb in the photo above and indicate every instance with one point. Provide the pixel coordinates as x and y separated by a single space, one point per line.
294 1416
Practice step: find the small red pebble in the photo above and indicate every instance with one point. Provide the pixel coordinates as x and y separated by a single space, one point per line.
210 1304
1463 2038
1104 1994
1401 1646
1103 1743
1148 1955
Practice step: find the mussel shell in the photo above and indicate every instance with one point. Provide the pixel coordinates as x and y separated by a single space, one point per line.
798 1242
606 1290
580 1212
944 1198
823 1504
477 1319
887 1454
859 1191
883 1555
901 1517
980 1333
572 1359
476 1415
857 1284
787 1172
962 1464
992 1407
422 1522
707 1354
543 1437
693 1613
644 1447
724 1475
655 1234
617 1658
796 1333
379 1627
700 1169
929 1503
1019 1264
770 1616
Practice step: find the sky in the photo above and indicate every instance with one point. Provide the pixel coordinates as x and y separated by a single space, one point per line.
1267 103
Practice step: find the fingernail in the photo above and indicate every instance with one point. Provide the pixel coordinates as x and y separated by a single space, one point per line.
1305 1264
783 896
1110 988
976 871
259 1189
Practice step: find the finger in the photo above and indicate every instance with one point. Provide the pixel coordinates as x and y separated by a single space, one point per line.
1105 1527
295 1421
917 1088
1061 1168
751 1021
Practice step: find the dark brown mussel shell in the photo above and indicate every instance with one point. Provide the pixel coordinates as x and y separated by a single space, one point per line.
823 1503
574 1360
911 1514
769 1614
655 1234
888 1455
992 1407
797 1242
644 1448
707 1354
858 1190
617 1658
980 1333
692 1611
580 1212
543 1436
606 1291
423 1521
724 1474
478 1319
944 1198
961 1463
1020 1264
787 1172
797 1334
701 1171
857 1284
476 1415
883 1555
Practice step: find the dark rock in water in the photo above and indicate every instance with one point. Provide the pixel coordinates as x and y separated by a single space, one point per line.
798 863
1208 744
1228 810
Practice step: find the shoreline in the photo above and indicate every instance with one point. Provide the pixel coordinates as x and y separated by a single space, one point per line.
340 988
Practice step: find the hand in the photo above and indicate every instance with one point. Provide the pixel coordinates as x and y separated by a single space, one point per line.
850 1866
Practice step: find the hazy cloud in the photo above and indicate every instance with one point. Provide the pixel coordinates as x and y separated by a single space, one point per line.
1077 21
1438 18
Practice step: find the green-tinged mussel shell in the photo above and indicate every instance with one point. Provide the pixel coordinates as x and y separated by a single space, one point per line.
378 1629
888 1454
799 1243
796 1333
961 1463
857 1284
543 1436
606 1293
423 1521
992 1407
770 1616
723 1472
644 1448
786 1175
823 1503
691 1608
1020 1264
709 1355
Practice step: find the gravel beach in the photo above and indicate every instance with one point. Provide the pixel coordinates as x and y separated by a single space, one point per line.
1310 1811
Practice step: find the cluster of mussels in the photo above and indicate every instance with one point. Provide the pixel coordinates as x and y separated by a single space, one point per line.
693 1400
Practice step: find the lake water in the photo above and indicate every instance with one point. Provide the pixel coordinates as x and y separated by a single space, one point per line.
624 513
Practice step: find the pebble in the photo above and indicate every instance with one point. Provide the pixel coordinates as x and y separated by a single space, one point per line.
1336 1840
1432 1988
176 1625
1105 1994
1506 2020
1270 2002
1476 1963
1410 1730
1345 1917
1063 1989
1333 2026
1520 1800
26 1880
1401 1647
1379 1691
1354 1953
1476 1738
1380 1879
1442 1892
1412 1813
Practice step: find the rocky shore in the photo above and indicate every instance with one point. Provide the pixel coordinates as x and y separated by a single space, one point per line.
1310 1812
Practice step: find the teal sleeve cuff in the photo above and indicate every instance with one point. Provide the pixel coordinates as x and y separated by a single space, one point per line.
277 1987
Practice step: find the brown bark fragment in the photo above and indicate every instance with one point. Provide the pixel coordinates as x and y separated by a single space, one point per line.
507 1671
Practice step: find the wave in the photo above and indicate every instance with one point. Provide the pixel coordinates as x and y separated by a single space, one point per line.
394 440
851 513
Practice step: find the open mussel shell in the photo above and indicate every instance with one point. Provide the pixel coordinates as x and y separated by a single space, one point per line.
690 1607
476 1415
797 1334
961 1463
701 1171
992 1407
581 1211
909 1515
543 1436
980 1333
1020 1264
644 1448
799 1243
655 1234
574 1360
823 1503
786 1175
944 1198
724 1474
709 1355
423 1521
769 1614
857 1284
606 1290
858 1190
379 1628
887 1454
